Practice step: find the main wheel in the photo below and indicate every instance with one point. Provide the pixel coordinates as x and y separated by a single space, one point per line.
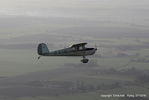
84 60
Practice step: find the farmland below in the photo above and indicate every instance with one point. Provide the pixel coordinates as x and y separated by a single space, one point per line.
120 66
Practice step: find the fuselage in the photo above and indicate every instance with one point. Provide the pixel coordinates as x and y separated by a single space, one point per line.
71 52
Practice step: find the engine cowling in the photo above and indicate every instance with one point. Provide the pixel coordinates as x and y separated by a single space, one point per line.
85 60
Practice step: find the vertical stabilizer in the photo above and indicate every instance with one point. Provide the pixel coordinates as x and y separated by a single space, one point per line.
42 49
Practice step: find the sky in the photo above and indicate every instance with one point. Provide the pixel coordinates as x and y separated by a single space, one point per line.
94 13
73 8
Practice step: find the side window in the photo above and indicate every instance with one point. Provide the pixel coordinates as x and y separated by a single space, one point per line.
73 48
80 48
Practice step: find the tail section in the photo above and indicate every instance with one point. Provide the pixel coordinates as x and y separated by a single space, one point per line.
42 49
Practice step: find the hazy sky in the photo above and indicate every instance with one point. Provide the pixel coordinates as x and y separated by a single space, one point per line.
73 8
95 12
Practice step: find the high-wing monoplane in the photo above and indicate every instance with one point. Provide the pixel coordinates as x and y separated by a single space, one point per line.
74 50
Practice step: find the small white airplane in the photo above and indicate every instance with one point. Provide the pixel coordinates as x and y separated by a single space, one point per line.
74 50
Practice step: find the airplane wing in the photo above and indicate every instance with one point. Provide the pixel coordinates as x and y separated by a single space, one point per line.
78 45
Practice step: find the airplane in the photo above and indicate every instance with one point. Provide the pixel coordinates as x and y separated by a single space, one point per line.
74 50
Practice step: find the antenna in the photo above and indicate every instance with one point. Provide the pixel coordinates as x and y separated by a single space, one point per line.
39 57
36 60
